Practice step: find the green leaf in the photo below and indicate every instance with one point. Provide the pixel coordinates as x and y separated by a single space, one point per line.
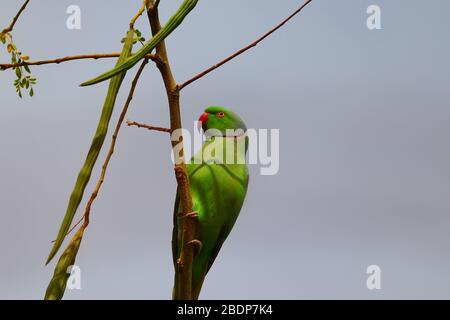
31 92
18 73
27 68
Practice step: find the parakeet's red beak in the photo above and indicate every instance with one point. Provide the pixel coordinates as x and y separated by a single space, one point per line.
202 121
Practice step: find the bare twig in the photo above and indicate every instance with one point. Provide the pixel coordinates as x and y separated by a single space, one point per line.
16 17
68 58
139 13
148 127
246 48
73 227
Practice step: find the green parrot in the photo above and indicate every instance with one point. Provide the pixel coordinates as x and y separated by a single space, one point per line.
218 189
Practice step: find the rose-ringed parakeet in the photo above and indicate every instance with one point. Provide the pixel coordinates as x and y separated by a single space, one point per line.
218 189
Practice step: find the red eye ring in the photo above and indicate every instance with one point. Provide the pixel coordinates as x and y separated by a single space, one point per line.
221 114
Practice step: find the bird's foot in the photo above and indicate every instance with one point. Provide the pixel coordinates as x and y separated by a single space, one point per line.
190 215
197 244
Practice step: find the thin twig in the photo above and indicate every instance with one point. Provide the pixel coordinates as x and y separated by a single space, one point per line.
146 126
16 17
69 58
73 227
138 14
241 51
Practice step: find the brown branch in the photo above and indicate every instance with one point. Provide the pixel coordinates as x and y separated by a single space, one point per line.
68 58
148 127
246 48
16 17
184 264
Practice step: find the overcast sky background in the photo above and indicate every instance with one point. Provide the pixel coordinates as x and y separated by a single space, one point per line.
364 150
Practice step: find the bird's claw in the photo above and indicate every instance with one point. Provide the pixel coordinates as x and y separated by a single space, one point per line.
192 215
198 246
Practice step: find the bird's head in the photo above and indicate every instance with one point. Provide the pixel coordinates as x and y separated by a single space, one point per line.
216 120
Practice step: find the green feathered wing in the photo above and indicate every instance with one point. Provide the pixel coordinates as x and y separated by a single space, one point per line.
218 192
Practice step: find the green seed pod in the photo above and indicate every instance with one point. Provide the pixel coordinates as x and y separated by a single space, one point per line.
57 285
94 151
165 31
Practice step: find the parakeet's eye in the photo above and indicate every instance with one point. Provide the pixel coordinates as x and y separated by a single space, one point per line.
221 114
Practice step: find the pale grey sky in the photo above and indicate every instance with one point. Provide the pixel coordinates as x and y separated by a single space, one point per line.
364 165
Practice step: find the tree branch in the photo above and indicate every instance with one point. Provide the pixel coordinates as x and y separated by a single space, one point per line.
246 48
68 58
16 17
148 127
184 264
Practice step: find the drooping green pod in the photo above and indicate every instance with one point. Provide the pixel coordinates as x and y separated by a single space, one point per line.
165 31
94 151
57 285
